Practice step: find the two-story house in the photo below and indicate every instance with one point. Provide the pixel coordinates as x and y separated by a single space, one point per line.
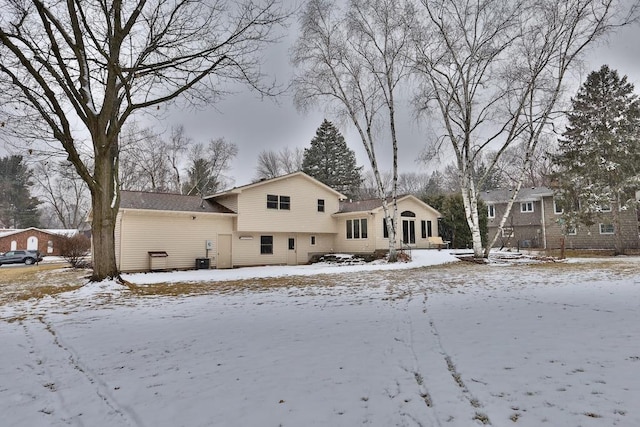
284 220
536 221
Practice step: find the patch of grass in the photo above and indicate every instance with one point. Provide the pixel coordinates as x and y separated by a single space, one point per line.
483 418
25 274
38 281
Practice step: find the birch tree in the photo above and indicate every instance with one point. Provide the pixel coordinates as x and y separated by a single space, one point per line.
355 60
72 68
494 70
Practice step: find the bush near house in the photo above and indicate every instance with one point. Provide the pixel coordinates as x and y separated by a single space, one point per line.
75 250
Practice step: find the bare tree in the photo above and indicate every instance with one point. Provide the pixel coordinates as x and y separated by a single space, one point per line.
537 170
149 162
413 183
207 167
77 67
494 70
144 161
369 187
355 59
63 191
275 163
176 149
291 159
268 165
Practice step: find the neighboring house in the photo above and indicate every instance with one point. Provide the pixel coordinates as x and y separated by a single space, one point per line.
535 221
284 220
47 241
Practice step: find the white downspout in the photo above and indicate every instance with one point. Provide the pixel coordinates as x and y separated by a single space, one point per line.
544 225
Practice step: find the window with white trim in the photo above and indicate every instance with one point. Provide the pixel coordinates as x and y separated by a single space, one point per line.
526 207
266 245
278 202
357 228
607 229
313 240
426 229
272 201
285 203
385 230
491 211
557 209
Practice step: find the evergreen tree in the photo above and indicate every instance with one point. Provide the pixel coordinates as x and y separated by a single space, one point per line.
17 208
453 225
597 165
331 162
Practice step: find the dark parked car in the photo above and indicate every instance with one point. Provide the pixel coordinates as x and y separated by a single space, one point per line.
20 257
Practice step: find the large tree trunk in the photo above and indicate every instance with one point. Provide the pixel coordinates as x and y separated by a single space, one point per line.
617 224
105 205
470 201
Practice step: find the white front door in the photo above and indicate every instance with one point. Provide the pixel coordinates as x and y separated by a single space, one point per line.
32 243
224 251
292 257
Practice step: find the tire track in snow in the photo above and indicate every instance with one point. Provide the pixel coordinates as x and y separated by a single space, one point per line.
436 370
53 405
69 379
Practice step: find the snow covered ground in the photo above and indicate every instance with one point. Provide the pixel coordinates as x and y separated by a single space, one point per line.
555 344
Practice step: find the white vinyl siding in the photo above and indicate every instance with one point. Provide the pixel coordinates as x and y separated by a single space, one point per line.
255 217
177 233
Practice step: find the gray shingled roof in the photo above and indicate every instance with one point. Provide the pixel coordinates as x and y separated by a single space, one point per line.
364 205
169 202
525 194
359 205
239 189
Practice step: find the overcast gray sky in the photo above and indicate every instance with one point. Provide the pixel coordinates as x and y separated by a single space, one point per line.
255 125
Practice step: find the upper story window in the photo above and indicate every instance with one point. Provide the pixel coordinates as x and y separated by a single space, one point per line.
272 201
320 205
605 208
557 209
491 211
285 202
526 207
278 202
357 228
607 229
